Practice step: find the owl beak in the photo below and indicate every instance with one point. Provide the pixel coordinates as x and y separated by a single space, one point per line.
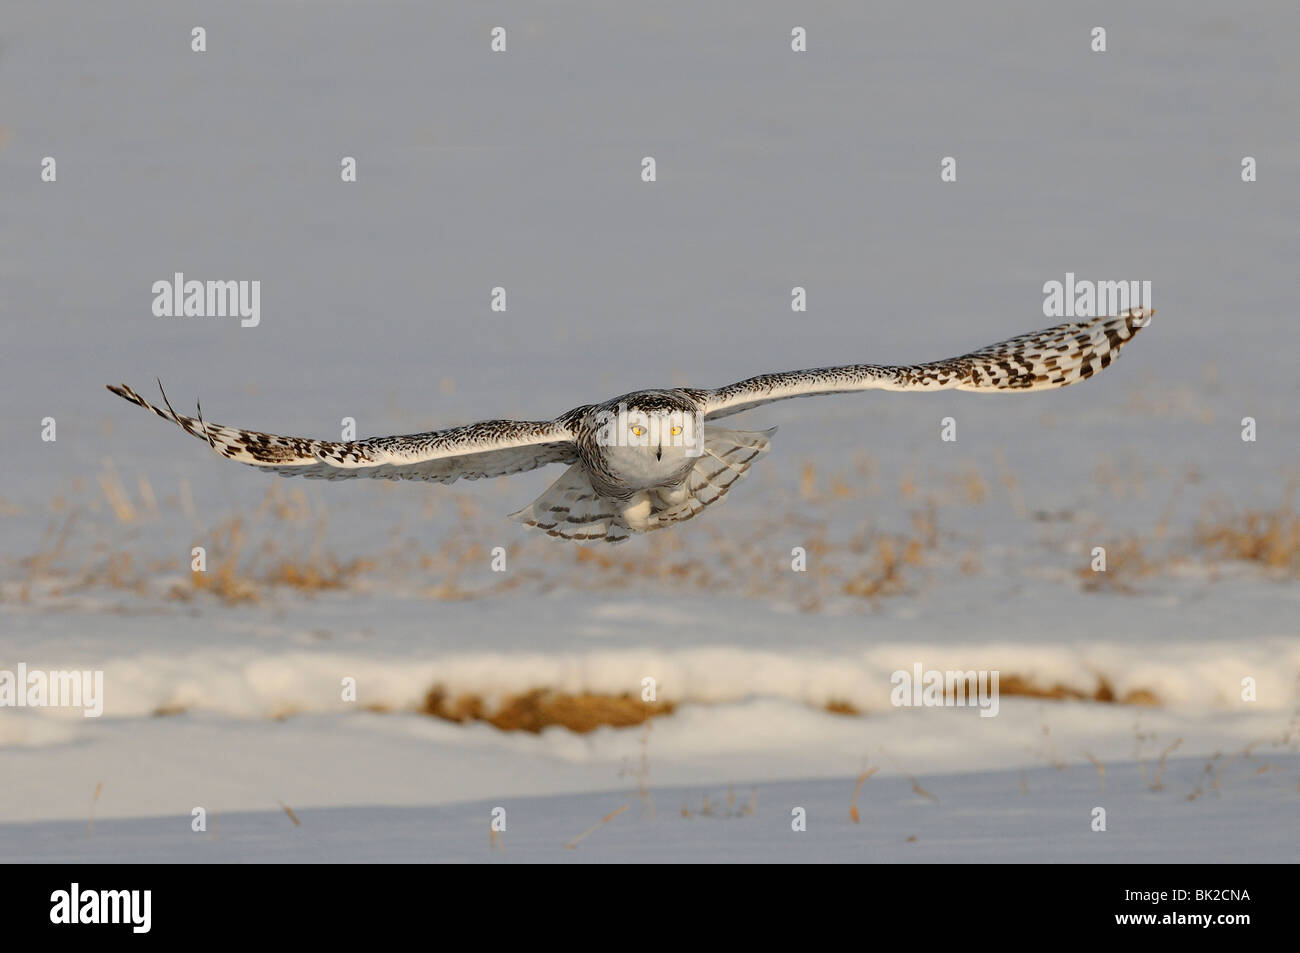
659 452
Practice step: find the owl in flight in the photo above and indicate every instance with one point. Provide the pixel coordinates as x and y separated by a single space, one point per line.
652 458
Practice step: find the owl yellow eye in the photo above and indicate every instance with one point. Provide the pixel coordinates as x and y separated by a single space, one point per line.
638 431
676 431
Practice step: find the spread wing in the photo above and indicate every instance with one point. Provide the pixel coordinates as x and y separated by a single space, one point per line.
1054 357
487 449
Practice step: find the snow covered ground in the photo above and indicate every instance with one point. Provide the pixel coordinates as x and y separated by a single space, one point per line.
1036 816
775 170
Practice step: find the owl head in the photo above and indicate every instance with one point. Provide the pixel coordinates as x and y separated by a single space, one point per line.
650 436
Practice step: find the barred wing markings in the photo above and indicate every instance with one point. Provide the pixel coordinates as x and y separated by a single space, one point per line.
1041 360
487 449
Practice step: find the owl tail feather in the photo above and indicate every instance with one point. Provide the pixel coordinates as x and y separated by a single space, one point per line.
727 455
571 509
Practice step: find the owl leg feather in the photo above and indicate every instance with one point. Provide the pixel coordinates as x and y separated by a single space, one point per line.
571 509
727 455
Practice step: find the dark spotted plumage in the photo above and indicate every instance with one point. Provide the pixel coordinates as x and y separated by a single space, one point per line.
1053 357
490 448
596 498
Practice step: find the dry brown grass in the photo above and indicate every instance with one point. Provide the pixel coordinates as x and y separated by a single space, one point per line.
52 548
733 808
973 487
857 789
279 546
573 844
247 559
641 773
1268 538
1125 562
541 708
234 577
868 564
289 811
79 553
911 779
838 706
315 576
1101 770
1157 778
1018 685
883 574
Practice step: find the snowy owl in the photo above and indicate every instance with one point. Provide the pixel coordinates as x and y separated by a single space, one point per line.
652 458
